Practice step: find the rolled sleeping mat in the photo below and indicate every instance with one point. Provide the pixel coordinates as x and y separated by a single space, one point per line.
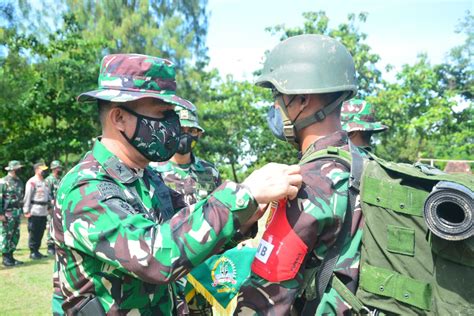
448 211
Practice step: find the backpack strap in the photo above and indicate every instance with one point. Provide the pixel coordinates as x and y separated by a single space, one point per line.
326 268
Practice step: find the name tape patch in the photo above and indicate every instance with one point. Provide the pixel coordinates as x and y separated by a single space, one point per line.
264 251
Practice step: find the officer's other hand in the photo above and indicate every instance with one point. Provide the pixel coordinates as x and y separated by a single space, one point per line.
2 218
27 215
273 182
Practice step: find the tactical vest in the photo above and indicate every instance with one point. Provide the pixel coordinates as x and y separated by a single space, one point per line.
417 253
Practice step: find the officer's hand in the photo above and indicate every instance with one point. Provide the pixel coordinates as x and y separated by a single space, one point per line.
27 215
2 218
273 182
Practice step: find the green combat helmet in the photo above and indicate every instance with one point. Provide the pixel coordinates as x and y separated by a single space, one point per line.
188 118
359 115
309 64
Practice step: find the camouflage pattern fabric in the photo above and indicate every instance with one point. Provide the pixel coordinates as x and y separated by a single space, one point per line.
195 181
359 115
53 184
11 197
112 243
128 77
316 215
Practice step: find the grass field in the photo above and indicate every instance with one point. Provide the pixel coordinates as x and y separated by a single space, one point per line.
26 289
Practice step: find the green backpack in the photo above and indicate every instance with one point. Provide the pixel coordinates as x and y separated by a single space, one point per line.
417 254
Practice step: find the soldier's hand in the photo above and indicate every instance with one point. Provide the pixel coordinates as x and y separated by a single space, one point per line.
273 182
2 218
27 215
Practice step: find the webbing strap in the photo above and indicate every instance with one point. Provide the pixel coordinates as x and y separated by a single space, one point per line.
328 263
347 295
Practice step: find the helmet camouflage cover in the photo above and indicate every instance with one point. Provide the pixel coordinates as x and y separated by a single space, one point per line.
359 115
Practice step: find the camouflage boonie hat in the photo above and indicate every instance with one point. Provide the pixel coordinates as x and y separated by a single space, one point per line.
55 164
129 77
188 118
13 165
358 115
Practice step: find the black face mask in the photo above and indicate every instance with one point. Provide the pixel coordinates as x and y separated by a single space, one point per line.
186 143
155 138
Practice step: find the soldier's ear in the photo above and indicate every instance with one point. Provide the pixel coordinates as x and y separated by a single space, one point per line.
117 118
304 101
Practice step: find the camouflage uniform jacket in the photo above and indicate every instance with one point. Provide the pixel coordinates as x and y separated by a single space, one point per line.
112 242
195 181
53 184
316 215
11 194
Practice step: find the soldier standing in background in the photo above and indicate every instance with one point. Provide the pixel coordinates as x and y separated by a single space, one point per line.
195 179
358 120
52 181
35 207
120 241
11 198
185 173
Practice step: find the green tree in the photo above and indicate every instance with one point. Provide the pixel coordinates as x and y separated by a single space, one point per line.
48 123
173 29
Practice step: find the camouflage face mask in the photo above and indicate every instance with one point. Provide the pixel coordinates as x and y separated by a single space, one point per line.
156 139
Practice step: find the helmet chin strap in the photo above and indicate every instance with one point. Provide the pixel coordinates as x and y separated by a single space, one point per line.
291 127
321 114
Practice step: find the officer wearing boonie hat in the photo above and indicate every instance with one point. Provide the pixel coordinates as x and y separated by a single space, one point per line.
358 120
11 198
120 242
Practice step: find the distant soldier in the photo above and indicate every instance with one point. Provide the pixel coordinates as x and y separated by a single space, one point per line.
122 237
52 181
195 179
458 167
35 207
11 199
358 120
185 173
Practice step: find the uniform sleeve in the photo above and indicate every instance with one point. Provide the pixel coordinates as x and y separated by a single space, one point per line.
2 191
113 231
27 198
316 217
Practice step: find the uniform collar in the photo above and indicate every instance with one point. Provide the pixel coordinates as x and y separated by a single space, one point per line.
112 164
336 139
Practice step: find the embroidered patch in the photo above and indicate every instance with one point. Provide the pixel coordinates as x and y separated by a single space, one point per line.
224 274
108 190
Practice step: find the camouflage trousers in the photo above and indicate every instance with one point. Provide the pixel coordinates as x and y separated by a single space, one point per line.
10 231
49 238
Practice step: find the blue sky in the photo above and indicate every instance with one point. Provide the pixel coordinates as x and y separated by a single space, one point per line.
398 30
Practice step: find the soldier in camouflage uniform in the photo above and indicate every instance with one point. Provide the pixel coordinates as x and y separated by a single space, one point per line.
194 179
120 243
11 197
191 176
358 120
52 181
310 76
